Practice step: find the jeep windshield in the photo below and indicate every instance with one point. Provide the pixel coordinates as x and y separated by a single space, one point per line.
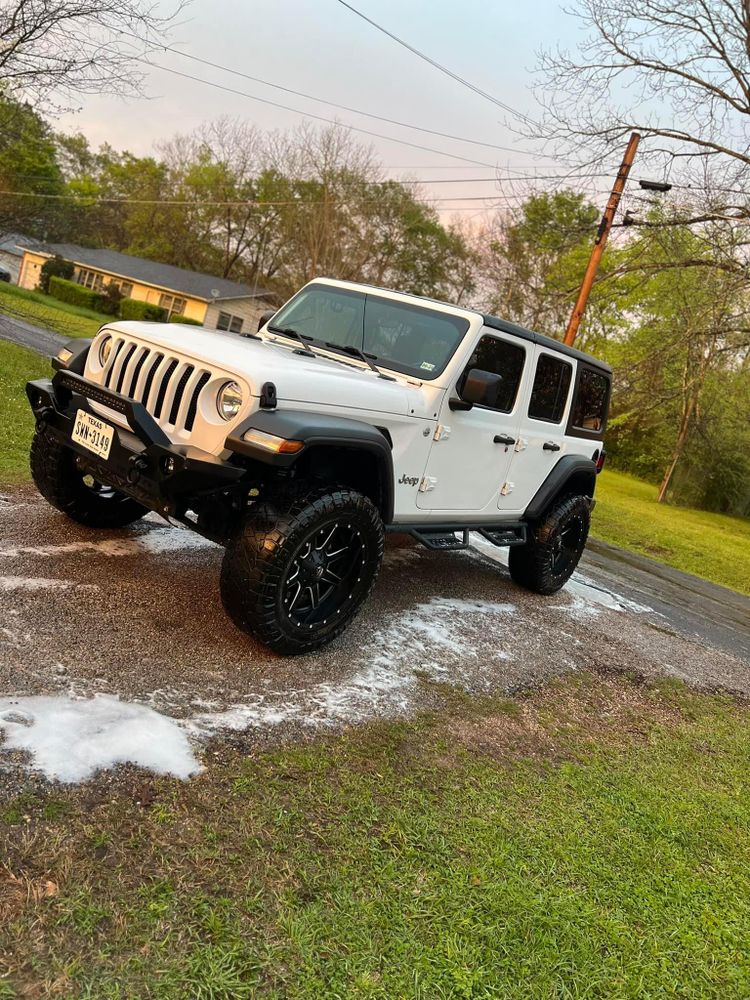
412 339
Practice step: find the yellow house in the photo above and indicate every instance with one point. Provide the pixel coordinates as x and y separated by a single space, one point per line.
214 302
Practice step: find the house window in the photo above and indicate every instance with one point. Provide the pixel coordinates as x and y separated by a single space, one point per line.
228 322
125 287
550 392
173 304
90 279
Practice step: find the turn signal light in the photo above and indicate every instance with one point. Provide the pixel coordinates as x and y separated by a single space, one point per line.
273 443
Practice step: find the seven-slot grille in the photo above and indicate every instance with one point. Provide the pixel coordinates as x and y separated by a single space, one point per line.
167 386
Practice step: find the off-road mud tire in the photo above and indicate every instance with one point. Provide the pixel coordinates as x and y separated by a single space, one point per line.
260 559
545 563
62 484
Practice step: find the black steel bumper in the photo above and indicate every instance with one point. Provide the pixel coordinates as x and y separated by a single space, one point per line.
142 461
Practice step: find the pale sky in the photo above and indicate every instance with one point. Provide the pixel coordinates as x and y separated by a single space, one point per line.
321 48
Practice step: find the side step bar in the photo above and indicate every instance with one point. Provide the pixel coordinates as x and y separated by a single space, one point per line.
444 541
443 537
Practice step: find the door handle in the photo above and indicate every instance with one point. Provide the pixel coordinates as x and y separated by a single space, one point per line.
550 446
504 439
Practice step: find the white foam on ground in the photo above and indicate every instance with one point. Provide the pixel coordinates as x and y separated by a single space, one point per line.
40 583
433 640
588 598
154 540
70 739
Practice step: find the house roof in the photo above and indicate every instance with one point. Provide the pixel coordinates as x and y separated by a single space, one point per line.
151 272
13 242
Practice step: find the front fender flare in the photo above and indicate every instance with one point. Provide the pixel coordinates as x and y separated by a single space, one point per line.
317 429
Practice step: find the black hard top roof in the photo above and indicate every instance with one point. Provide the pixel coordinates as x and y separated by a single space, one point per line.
539 338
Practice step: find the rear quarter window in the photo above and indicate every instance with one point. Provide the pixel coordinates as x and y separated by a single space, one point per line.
588 415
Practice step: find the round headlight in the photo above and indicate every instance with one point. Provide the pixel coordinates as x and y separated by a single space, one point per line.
105 349
229 400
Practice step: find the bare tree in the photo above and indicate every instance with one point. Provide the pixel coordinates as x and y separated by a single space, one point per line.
63 48
678 72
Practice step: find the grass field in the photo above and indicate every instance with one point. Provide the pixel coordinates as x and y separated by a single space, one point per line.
713 546
44 311
17 366
587 841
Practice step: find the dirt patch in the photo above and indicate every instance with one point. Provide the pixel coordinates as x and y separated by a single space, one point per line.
568 717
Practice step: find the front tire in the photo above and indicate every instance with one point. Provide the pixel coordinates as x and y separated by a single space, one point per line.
73 492
301 567
547 560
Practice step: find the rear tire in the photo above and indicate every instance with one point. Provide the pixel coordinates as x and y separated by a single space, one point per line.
547 560
71 491
301 567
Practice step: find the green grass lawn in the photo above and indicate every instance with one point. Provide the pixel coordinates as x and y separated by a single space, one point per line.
44 311
17 366
713 546
588 841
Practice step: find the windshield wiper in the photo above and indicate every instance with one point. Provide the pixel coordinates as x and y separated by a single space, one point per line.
355 352
287 331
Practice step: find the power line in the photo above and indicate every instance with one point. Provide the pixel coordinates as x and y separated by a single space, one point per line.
439 66
238 203
333 104
310 114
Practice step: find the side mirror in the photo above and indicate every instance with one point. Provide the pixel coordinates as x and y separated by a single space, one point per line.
267 315
477 387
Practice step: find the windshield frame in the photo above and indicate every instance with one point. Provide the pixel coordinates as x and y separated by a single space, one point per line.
387 364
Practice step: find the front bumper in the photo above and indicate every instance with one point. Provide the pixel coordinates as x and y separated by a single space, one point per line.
142 462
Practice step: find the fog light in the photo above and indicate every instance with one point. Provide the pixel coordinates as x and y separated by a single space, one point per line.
64 355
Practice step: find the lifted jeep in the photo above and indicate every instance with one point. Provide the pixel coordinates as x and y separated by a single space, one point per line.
353 411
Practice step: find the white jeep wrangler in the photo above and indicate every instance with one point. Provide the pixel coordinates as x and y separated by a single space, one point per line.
353 411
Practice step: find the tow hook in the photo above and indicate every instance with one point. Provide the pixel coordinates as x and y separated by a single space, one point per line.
136 466
43 416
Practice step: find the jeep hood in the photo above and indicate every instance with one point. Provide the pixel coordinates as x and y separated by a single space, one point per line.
298 379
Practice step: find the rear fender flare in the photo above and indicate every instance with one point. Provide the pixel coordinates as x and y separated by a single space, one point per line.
569 469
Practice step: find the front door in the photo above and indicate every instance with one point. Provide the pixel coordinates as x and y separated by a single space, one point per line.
469 461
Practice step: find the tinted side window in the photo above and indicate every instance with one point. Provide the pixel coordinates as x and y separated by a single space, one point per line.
590 405
501 358
550 391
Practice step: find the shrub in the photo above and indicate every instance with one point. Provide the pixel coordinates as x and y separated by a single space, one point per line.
55 267
75 295
112 299
184 319
135 309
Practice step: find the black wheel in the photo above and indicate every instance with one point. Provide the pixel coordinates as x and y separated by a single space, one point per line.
72 491
547 560
302 566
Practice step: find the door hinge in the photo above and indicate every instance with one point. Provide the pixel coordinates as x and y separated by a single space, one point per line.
428 483
506 489
442 433
521 445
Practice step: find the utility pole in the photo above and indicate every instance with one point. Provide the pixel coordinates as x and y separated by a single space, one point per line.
602 234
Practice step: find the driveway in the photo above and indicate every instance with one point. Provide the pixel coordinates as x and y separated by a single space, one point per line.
36 338
136 614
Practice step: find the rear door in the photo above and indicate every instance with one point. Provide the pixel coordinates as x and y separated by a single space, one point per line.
541 441
469 461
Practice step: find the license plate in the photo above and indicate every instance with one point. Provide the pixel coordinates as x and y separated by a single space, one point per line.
93 434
